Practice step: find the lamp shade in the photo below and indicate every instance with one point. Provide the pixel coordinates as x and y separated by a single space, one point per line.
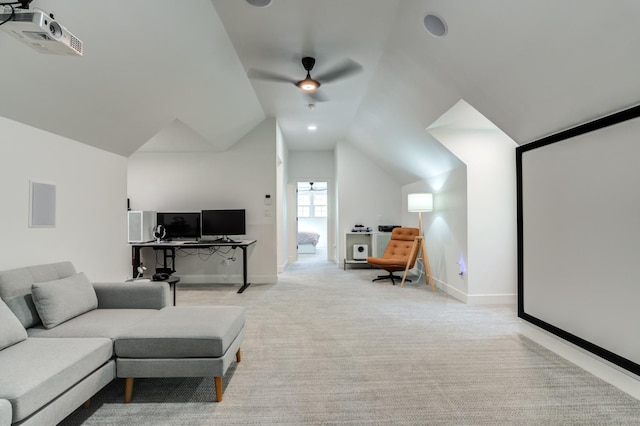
420 202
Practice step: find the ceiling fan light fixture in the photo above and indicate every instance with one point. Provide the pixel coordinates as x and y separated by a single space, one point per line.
308 84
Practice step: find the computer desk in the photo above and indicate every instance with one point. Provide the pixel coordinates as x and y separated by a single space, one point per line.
172 246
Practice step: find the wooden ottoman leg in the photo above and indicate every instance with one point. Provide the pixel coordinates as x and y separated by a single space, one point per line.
218 383
87 403
238 355
128 389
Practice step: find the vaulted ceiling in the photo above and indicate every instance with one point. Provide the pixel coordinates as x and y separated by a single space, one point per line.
172 76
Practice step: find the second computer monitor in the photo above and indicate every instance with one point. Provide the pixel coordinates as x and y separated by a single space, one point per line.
180 225
220 224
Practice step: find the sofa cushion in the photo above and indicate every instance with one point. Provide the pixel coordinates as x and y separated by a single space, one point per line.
11 330
183 332
133 295
109 323
60 300
15 287
61 363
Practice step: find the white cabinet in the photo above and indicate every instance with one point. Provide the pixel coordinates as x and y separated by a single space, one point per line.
141 225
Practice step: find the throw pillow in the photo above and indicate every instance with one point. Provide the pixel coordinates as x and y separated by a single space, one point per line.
60 300
11 330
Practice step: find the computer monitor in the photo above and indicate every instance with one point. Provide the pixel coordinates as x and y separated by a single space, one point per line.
220 224
180 225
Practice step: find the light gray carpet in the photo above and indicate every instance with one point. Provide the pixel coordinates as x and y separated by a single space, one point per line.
327 346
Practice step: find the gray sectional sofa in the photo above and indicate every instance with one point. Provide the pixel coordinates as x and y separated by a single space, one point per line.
63 338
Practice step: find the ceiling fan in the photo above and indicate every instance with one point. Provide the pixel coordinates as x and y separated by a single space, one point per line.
310 85
314 189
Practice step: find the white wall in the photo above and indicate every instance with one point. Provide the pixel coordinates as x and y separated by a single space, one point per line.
309 165
366 194
489 156
237 178
280 201
91 200
445 229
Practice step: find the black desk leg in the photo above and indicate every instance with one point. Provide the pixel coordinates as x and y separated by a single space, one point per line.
135 262
244 270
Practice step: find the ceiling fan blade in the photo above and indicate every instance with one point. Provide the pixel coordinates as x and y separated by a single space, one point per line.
316 96
268 76
345 69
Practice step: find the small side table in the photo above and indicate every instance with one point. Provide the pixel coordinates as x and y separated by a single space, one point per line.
173 282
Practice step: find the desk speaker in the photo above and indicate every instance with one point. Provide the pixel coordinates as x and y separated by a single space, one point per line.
141 226
360 251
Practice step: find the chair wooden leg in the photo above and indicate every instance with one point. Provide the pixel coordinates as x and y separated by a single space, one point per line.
218 383
414 248
87 403
128 389
428 277
238 355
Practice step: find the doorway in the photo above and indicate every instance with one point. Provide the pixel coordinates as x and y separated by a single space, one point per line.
312 218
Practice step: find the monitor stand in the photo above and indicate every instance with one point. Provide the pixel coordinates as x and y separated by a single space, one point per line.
225 239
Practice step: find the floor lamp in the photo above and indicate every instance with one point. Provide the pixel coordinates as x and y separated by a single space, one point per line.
418 203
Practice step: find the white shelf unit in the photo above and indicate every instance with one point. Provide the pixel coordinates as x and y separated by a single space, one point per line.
380 242
351 239
375 241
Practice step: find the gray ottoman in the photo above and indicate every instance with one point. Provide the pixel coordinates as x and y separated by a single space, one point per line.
184 341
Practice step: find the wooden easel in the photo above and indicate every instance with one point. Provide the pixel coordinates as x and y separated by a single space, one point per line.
418 244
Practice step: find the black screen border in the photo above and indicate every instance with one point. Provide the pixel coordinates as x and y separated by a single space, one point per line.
609 120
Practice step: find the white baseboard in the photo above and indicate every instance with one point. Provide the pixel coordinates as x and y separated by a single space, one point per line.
492 299
477 299
601 368
451 291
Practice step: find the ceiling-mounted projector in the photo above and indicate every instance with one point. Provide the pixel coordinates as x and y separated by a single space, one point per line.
40 31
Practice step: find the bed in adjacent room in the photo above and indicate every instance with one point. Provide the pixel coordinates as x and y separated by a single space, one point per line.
307 242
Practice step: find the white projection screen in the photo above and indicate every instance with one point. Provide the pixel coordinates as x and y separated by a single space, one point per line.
579 236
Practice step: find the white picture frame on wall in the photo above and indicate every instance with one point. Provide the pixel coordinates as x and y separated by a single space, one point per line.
42 204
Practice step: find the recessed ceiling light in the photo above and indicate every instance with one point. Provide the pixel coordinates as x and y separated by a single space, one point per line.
435 25
312 127
259 3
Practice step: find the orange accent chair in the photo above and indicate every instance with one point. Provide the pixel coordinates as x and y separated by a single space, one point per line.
397 254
